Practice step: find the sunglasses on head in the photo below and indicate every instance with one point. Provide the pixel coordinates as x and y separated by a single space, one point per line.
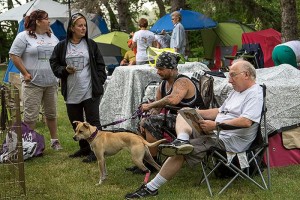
75 17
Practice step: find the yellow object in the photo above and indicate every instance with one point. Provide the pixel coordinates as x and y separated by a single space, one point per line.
153 53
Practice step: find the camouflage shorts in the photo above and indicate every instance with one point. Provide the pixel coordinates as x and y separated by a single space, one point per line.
154 123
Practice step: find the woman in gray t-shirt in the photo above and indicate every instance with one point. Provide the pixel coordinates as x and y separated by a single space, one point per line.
30 52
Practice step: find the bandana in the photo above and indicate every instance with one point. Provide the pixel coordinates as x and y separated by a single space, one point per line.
167 60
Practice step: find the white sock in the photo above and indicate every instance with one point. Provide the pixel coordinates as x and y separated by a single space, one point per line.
155 183
183 136
53 140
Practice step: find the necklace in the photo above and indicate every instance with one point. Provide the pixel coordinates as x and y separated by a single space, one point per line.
73 42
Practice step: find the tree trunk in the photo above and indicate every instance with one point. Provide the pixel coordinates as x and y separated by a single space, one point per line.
177 5
289 20
125 21
114 25
161 7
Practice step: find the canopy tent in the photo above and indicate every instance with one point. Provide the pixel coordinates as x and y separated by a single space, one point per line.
191 20
267 39
55 10
225 34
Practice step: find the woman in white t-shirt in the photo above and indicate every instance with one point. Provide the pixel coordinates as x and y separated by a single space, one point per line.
143 39
30 52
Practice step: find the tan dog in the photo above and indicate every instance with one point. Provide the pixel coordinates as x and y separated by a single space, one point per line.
105 143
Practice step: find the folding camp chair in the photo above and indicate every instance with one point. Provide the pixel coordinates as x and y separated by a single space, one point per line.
220 60
216 158
252 53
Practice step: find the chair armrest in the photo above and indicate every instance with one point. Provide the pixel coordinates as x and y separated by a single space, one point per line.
224 126
173 108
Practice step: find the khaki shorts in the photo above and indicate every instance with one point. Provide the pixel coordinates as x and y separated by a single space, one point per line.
34 97
201 146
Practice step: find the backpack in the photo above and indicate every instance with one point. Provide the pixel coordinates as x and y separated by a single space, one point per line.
33 144
205 85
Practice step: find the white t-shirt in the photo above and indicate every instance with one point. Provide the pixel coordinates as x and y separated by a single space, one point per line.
35 54
246 104
79 83
143 39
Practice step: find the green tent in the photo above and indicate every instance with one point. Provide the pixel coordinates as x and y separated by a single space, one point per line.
225 34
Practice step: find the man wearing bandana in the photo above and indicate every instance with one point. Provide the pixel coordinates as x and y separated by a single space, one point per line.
175 90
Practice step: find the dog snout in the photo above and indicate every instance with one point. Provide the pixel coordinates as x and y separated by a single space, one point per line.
75 138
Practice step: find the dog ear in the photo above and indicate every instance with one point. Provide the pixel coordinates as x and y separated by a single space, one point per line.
76 122
86 124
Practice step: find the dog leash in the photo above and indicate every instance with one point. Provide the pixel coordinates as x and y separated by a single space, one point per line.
137 113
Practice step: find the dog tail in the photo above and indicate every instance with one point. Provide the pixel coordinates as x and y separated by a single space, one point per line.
153 144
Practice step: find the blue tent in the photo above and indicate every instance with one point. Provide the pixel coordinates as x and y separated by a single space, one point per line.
191 20
101 23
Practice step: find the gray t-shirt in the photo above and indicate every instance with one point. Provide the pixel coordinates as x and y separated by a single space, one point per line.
35 54
246 104
79 84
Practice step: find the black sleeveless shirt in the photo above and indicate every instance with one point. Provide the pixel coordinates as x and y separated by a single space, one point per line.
193 102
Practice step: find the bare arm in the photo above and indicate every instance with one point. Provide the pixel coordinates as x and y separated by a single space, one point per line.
19 64
209 125
210 114
180 89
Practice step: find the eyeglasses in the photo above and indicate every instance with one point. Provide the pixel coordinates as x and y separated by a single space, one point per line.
173 19
232 75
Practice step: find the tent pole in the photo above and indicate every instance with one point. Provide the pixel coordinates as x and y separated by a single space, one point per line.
69 6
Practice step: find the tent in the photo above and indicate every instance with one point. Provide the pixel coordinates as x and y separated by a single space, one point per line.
191 20
58 15
54 9
225 34
267 39
113 46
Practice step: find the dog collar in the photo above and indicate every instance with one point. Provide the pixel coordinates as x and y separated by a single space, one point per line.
92 137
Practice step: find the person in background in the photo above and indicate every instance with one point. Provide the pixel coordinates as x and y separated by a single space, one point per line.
177 40
142 39
242 108
287 53
77 61
30 53
162 41
129 57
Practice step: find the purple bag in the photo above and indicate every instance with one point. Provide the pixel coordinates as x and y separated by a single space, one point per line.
30 135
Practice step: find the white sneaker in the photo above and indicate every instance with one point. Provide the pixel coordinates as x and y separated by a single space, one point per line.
56 145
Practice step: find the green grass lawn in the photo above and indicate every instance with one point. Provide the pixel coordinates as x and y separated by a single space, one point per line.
55 176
